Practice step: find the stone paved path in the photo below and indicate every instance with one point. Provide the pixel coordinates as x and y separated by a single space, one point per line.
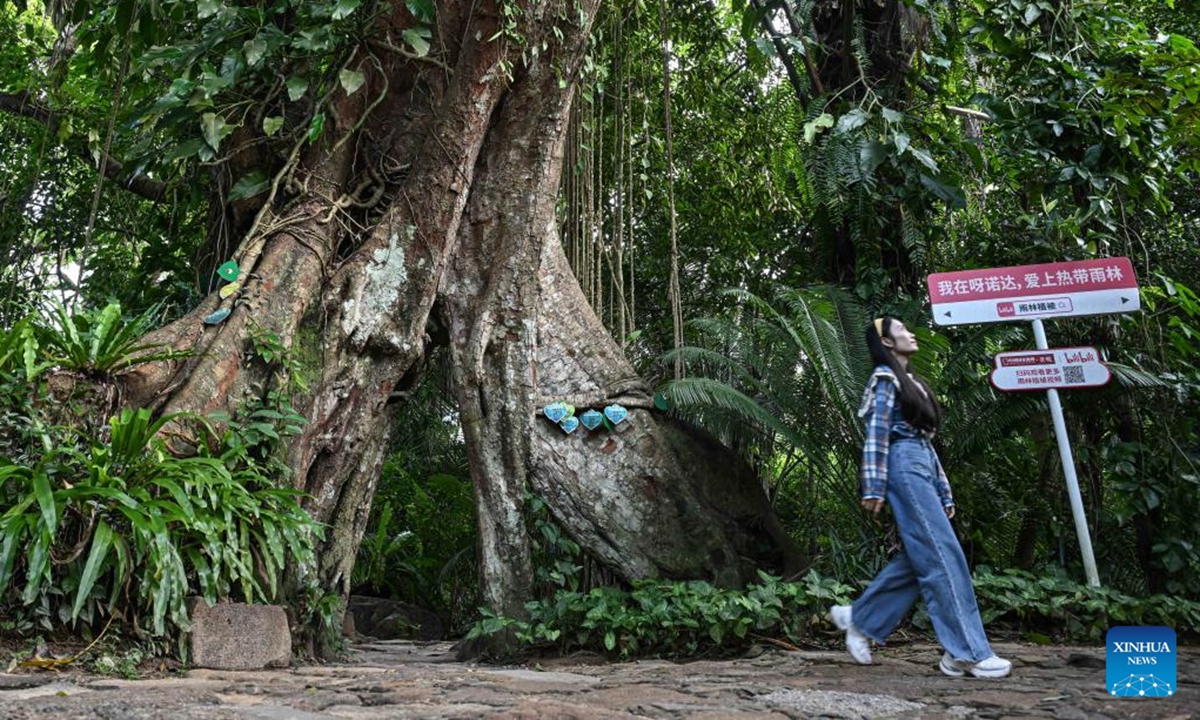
411 680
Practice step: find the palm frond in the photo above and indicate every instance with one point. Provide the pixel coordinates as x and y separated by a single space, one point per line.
1132 377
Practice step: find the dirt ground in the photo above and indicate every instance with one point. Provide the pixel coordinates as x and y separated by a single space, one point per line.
400 679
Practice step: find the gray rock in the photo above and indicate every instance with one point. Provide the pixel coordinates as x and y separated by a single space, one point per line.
280 712
1086 660
13 681
236 636
56 689
830 703
543 676
396 680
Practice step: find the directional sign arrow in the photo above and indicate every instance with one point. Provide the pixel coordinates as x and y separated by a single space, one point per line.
1025 292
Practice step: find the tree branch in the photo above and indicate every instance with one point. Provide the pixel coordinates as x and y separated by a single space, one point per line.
797 32
21 104
780 49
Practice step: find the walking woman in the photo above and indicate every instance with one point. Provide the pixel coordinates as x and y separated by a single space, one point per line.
901 468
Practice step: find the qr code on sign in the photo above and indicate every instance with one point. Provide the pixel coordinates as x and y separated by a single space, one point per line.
1073 375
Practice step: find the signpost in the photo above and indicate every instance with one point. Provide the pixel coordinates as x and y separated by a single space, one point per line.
1034 292
1068 368
1026 292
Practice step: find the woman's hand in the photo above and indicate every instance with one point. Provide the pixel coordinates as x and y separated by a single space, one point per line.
872 505
949 511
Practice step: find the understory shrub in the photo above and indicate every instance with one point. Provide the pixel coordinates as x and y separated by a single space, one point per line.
684 619
1053 607
102 520
125 528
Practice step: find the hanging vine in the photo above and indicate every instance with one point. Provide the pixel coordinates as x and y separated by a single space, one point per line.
676 301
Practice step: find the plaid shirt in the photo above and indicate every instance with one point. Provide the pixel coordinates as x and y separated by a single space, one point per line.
884 421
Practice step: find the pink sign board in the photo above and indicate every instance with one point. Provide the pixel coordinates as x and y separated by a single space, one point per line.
1062 368
1027 292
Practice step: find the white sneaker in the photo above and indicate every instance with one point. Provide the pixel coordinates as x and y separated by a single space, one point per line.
858 645
993 667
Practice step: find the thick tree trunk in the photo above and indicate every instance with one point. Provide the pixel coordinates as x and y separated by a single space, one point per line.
468 163
490 293
652 498
523 335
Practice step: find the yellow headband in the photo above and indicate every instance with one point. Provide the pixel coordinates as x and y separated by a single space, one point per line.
879 327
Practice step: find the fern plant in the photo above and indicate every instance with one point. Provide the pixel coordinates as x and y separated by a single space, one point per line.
380 553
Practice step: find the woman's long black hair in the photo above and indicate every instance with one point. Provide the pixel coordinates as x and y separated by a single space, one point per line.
919 408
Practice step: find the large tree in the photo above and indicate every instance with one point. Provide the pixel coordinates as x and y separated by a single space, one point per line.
410 202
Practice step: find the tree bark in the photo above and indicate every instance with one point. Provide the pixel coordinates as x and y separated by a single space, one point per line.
490 293
654 497
468 225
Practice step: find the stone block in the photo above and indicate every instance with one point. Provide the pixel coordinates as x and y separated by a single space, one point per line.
236 636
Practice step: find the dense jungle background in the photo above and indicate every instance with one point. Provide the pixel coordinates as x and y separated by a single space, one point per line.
737 186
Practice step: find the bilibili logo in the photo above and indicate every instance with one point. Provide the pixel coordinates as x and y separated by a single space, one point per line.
1140 661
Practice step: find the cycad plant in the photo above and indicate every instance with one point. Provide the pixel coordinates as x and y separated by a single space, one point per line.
789 371
781 380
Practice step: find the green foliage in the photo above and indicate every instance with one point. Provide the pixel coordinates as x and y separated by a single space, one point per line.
420 544
124 527
1155 475
380 553
556 557
1107 118
685 619
112 523
1088 149
682 619
197 63
123 661
792 368
257 432
782 381
1052 605
98 342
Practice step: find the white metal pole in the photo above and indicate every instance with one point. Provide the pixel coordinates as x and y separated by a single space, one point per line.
1068 463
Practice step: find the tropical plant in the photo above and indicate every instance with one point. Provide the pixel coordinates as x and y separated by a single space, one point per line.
421 545
380 553
123 527
794 368
106 521
98 342
783 380
681 619
685 619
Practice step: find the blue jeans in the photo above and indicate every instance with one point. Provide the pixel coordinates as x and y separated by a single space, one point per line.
931 564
